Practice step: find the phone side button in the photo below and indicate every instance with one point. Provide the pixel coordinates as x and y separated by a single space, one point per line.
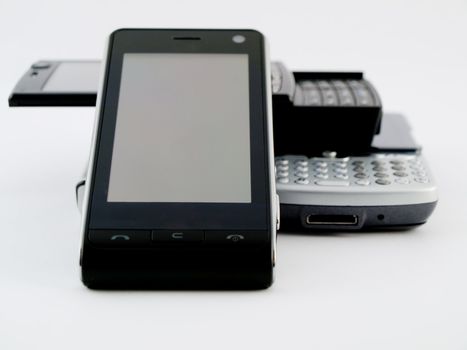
120 238
236 237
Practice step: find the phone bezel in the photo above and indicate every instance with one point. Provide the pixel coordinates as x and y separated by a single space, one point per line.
124 215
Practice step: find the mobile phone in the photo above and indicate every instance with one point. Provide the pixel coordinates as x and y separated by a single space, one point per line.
379 181
57 83
366 192
319 111
180 191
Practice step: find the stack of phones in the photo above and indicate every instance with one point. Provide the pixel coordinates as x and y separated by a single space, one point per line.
341 164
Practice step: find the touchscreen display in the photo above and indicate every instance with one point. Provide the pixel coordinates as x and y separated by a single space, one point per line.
183 129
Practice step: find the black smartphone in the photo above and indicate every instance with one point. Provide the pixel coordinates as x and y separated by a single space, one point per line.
180 191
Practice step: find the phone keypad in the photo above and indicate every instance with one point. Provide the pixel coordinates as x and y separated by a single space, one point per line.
336 93
380 170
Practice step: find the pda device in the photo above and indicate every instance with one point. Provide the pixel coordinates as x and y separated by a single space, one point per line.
180 191
341 164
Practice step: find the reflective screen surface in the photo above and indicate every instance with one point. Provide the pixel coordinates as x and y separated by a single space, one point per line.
183 129
74 77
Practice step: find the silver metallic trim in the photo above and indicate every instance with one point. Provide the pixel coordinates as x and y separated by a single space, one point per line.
92 152
272 182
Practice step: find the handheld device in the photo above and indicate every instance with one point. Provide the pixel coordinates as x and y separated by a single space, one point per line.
57 83
379 181
180 190
375 191
319 111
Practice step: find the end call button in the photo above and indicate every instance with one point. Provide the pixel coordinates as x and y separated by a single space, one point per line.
236 237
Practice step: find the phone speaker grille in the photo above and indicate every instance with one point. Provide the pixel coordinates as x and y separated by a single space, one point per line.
186 38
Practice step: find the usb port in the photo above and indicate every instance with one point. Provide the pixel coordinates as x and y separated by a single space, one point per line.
317 219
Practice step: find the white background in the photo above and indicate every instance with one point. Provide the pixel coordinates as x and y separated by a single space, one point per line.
358 291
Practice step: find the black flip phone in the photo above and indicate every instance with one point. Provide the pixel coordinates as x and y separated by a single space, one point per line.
180 191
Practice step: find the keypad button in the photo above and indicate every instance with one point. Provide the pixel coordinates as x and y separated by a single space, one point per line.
283 180
341 176
340 165
396 162
422 180
381 175
379 169
332 183
301 174
383 182
282 174
302 181
319 164
323 84
306 84
398 167
378 163
322 176
282 162
361 176
364 101
301 163
400 174
362 182
340 171
282 167
359 169
339 84
402 181
301 168
347 101
358 162
330 99
321 170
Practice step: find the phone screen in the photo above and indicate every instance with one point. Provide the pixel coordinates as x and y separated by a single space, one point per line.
74 77
183 129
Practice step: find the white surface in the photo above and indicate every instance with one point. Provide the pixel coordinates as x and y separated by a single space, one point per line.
359 291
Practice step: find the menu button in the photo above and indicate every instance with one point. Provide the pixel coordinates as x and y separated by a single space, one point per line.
178 236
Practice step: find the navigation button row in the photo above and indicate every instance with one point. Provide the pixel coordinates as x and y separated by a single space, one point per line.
137 238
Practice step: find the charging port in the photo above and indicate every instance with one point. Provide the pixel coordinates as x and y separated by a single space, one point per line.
317 219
